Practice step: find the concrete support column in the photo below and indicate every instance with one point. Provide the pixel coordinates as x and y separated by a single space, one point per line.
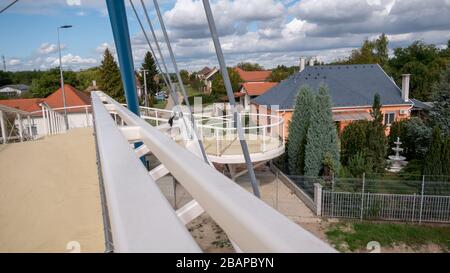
318 198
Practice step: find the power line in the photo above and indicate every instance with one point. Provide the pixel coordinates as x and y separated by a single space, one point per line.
8 6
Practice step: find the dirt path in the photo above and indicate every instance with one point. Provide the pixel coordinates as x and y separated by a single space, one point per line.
49 195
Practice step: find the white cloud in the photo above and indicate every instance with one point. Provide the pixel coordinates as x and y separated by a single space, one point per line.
14 62
73 2
47 48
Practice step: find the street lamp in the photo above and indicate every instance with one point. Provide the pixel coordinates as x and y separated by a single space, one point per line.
62 78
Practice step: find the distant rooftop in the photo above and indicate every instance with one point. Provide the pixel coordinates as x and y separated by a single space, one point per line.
348 85
254 76
74 97
21 87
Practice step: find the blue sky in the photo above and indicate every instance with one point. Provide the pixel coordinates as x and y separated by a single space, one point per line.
271 32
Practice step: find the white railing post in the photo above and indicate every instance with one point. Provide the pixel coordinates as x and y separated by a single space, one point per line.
2 125
44 119
362 196
87 116
30 129
19 118
421 199
318 198
156 116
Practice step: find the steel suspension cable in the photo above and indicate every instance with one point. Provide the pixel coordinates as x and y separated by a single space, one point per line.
169 82
229 89
177 72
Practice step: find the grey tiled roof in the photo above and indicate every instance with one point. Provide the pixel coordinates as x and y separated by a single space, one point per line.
348 85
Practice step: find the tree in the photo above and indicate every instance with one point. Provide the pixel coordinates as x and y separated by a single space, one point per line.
433 160
376 137
152 72
375 51
321 151
298 129
282 72
109 77
440 112
250 66
50 81
354 140
185 76
5 78
85 77
414 135
424 62
218 86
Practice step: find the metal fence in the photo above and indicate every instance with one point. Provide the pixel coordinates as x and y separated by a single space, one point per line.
381 206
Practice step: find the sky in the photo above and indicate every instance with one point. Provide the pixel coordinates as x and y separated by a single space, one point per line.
270 32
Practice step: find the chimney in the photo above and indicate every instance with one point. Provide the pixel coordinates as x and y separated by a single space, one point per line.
405 87
311 61
94 83
302 63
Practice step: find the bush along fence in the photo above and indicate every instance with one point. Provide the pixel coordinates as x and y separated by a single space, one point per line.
418 199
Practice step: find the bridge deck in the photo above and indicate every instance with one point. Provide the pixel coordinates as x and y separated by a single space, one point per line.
49 194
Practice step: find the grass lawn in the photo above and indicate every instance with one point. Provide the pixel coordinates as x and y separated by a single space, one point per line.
355 235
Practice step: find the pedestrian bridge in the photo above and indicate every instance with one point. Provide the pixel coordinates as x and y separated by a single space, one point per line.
136 215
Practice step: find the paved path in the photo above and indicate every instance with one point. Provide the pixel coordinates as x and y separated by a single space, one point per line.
49 195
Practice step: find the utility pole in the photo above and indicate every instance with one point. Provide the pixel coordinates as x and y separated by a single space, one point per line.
144 72
4 63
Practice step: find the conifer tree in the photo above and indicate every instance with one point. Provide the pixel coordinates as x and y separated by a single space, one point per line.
322 151
433 160
376 137
110 80
298 129
152 72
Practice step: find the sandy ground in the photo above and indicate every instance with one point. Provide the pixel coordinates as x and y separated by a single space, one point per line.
49 195
211 237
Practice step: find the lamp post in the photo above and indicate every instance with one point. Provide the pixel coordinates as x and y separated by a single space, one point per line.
144 73
62 78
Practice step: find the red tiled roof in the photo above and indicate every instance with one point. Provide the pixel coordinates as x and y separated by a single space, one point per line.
55 100
253 76
257 88
73 97
27 105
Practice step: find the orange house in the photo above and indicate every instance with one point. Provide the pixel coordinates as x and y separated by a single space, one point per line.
351 88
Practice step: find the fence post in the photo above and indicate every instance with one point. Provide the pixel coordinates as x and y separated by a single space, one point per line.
19 119
318 198
421 199
362 196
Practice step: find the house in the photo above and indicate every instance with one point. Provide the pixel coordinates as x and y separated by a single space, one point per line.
13 90
206 76
77 102
255 83
250 90
351 88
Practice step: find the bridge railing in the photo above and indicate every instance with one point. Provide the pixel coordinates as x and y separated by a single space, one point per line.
12 125
141 217
262 132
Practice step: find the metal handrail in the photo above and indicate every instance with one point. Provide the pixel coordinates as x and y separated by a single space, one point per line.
141 218
249 222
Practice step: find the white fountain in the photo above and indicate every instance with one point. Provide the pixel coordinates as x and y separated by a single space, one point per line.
396 162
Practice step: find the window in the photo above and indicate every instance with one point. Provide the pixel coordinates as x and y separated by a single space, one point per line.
389 118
